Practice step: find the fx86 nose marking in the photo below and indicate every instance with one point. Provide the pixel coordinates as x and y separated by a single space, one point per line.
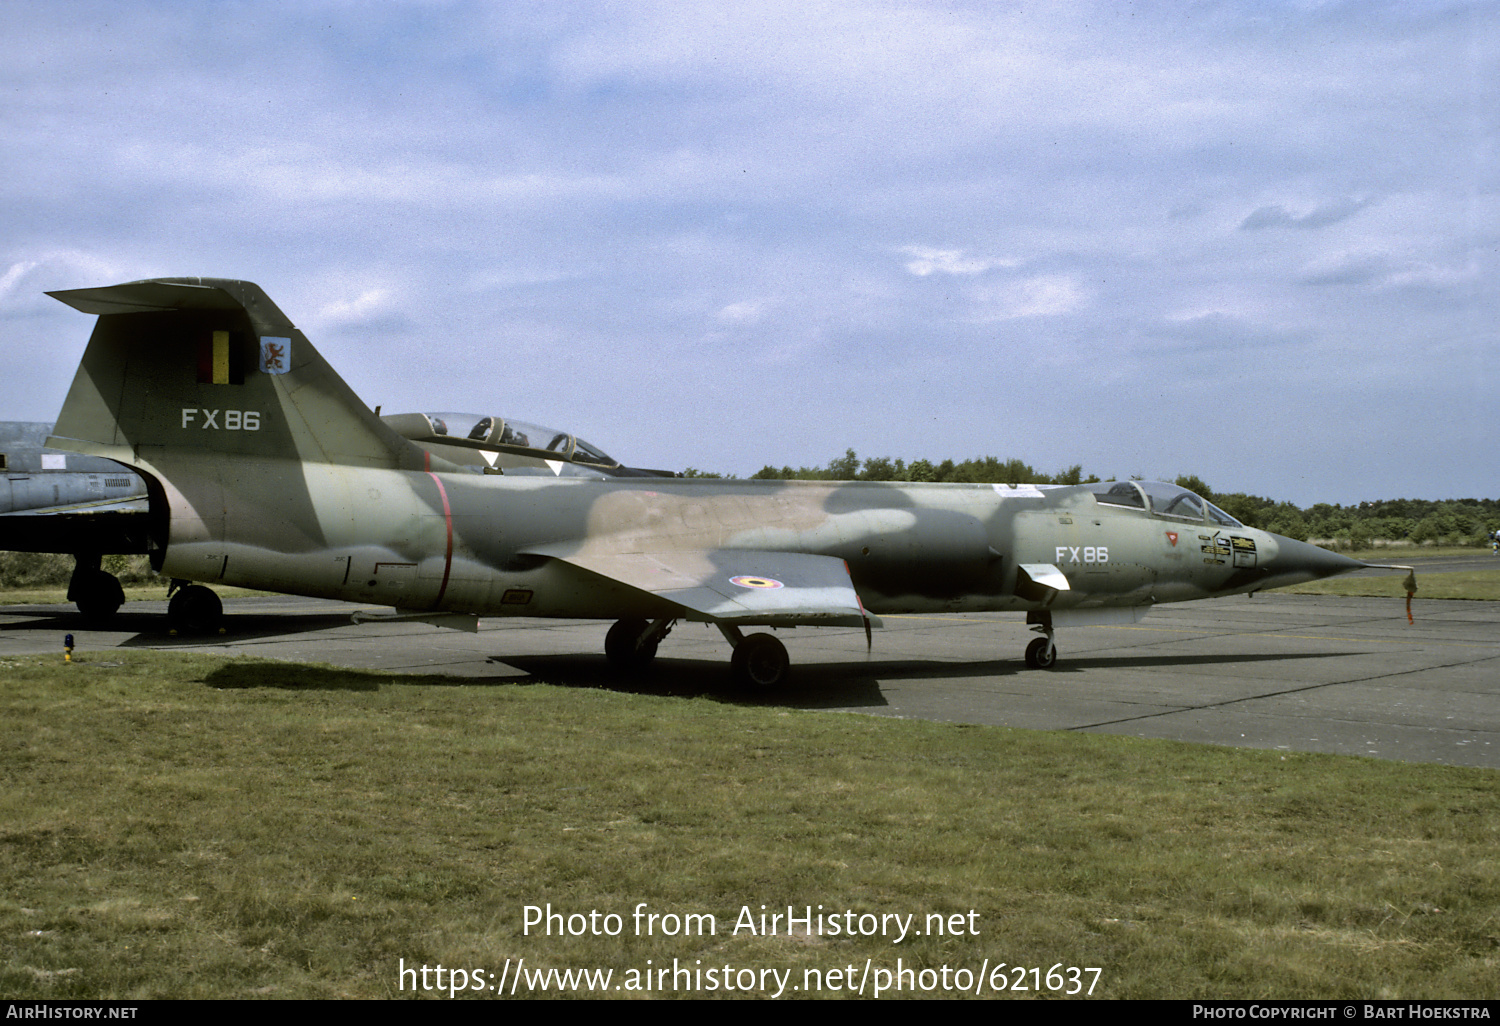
1083 554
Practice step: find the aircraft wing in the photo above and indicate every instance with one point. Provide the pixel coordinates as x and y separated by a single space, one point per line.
134 504
777 589
111 525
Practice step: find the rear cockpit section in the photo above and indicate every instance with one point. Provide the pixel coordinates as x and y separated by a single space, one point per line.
1160 499
1120 493
520 435
497 445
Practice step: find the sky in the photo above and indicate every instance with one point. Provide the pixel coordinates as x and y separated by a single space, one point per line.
1253 242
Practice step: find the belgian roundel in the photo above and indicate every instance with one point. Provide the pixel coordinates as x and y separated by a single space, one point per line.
755 582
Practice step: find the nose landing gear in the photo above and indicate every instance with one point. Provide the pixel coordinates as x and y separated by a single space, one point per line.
1041 654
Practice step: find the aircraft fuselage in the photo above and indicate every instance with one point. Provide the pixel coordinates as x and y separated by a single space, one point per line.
464 542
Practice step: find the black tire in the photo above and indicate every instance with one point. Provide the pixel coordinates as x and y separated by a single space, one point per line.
1041 654
760 663
620 646
102 597
195 610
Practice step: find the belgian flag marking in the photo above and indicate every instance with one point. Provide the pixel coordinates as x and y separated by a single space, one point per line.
219 360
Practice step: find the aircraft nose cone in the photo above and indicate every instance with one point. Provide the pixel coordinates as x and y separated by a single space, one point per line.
1298 561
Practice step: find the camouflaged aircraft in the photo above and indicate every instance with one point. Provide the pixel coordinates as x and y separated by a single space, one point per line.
264 470
88 507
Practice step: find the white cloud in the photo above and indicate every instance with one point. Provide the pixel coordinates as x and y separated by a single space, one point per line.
745 313
926 260
13 274
25 280
368 305
1047 295
1380 270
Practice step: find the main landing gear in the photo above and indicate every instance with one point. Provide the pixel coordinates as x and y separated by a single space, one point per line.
630 645
96 592
193 609
759 663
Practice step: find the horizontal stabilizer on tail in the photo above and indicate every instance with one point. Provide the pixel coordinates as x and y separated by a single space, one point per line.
158 294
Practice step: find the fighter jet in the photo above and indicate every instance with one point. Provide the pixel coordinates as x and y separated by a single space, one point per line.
64 502
33 477
264 470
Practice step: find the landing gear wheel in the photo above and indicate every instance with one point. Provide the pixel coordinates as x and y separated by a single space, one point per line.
760 663
622 650
1041 654
195 610
99 596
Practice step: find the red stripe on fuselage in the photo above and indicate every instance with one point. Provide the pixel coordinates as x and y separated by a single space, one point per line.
448 523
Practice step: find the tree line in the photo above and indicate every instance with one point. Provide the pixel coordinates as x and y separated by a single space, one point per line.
1420 521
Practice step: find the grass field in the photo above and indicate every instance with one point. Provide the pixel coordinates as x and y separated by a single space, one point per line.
156 591
1463 584
187 826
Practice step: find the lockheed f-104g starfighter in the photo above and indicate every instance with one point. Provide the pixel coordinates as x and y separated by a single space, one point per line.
264 470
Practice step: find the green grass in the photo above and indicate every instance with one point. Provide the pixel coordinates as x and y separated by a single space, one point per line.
1479 585
57 594
1415 553
201 827
1464 584
156 591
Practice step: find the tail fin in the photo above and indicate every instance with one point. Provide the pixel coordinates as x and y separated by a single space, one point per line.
205 366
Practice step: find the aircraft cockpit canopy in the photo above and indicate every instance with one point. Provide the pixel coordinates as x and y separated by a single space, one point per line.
519 436
1170 501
